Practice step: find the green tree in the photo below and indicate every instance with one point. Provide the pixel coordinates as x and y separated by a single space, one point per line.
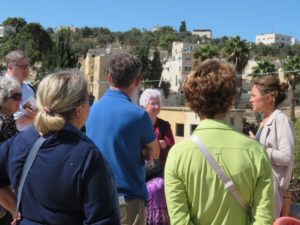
204 52
237 52
60 56
32 39
142 53
65 55
165 86
17 22
50 30
155 69
86 32
133 37
291 73
104 36
35 41
264 68
165 41
182 27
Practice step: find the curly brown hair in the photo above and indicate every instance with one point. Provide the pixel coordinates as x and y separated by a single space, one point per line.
211 88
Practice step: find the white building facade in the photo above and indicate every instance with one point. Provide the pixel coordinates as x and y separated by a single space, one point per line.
272 38
4 30
179 65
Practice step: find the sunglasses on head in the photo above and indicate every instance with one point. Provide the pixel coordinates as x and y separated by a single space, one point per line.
16 96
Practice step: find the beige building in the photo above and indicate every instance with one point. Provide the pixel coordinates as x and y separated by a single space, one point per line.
94 67
70 28
95 72
204 33
183 121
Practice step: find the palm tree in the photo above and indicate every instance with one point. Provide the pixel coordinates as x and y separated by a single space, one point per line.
237 52
264 68
291 73
204 52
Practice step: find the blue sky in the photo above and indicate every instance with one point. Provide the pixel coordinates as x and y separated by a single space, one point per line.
223 17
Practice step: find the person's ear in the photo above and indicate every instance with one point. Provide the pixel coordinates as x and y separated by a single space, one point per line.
78 111
137 81
269 98
10 66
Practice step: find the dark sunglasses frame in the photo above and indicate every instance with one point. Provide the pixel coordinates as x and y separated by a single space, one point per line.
16 96
23 67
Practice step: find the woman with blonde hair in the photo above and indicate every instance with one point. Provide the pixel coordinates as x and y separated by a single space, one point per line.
69 181
276 133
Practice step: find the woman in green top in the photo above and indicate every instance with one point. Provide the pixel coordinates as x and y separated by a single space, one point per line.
195 195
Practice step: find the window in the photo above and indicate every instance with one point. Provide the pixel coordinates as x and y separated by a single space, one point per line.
92 79
193 127
187 68
179 129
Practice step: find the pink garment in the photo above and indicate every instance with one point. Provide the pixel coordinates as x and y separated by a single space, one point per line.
286 221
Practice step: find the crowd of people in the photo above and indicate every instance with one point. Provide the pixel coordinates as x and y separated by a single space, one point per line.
117 163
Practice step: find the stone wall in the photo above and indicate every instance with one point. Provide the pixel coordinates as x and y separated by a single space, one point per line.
183 121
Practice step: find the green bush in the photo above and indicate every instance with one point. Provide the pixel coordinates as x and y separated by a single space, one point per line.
296 171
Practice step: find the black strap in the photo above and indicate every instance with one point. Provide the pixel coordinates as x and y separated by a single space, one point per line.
28 163
32 87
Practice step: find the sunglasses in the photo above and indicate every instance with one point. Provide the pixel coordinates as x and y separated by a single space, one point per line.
16 96
23 67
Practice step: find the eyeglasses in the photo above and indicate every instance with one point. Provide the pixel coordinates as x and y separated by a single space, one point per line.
23 67
154 104
16 96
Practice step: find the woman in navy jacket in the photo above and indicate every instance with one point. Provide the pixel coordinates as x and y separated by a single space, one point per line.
69 181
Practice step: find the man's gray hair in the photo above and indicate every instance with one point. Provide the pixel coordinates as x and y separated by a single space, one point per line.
148 94
124 69
15 56
7 86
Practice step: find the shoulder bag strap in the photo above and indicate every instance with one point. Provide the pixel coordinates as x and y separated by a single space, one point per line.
227 182
28 163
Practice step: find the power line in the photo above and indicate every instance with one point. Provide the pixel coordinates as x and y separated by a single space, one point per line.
261 74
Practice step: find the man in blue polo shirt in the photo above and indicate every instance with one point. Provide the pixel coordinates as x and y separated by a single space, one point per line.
122 130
